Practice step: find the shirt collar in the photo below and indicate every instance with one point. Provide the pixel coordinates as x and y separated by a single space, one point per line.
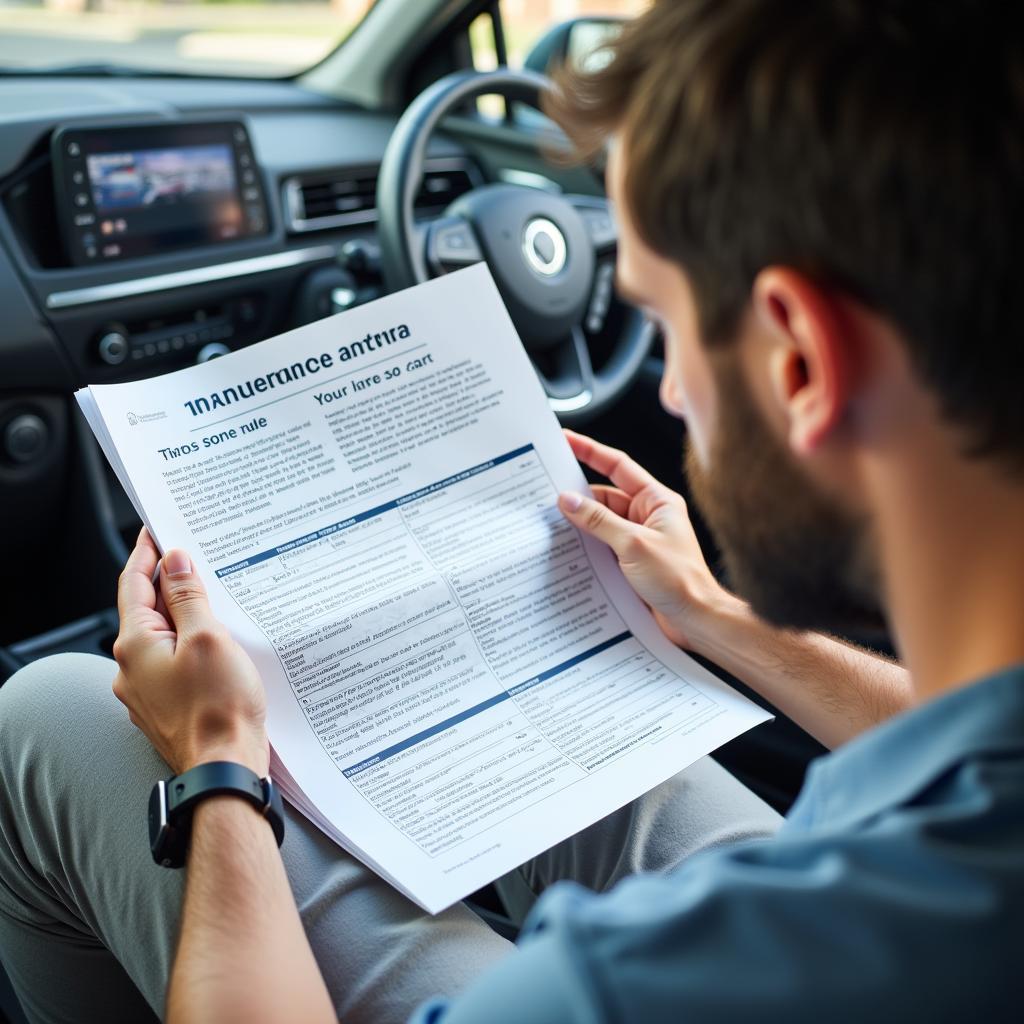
891 763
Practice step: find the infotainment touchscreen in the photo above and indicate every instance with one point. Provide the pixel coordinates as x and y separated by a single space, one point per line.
130 191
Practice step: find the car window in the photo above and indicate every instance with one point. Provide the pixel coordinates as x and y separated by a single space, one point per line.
525 22
207 37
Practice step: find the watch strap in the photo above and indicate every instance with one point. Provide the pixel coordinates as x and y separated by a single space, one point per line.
174 800
212 779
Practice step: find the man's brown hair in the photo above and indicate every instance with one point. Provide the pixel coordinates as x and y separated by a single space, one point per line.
875 145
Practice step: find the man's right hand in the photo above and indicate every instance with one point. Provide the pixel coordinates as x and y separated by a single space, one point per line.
832 689
647 526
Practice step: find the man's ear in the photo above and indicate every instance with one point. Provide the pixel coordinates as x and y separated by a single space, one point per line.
810 366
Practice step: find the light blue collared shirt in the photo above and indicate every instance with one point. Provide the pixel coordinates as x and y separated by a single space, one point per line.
893 892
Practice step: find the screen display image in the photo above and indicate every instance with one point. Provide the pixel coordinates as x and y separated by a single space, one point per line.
150 189
150 177
152 200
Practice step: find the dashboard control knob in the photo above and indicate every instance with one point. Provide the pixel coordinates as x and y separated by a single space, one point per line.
113 347
361 257
212 351
342 299
25 438
323 292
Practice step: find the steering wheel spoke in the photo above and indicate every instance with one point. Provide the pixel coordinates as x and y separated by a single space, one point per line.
599 219
570 383
450 243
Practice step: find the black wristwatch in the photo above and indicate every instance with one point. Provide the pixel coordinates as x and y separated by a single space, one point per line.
173 800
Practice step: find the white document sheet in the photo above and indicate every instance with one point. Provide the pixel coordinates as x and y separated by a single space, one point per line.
456 678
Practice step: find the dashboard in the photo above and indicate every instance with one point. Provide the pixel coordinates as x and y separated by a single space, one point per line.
147 225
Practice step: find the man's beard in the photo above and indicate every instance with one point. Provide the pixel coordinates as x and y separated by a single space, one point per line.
798 556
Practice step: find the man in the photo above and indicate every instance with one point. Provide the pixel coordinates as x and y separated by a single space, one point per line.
821 205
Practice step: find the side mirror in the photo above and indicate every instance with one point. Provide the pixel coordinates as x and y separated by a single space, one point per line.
580 42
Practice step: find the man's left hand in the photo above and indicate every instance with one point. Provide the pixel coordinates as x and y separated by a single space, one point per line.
186 683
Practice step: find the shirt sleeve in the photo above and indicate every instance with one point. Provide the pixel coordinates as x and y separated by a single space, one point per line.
797 928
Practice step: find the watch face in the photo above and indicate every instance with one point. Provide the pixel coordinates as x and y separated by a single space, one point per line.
159 830
157 813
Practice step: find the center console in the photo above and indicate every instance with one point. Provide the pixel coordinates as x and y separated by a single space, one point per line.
150 245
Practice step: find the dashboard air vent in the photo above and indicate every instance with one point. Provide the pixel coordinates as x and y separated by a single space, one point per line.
441 187
335 199
324 200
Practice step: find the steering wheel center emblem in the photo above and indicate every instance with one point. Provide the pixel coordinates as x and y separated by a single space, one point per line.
544 247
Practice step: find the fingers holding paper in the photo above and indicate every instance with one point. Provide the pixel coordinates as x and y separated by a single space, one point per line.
648 527
186 683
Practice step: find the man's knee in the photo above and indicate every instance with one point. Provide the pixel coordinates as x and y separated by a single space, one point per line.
53 697
60 712
71 762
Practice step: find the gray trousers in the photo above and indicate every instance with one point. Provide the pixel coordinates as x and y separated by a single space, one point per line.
88 922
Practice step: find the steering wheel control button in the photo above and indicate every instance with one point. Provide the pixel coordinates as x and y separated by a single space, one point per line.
25 438
601 297
600 227
544 247
454 244
113 348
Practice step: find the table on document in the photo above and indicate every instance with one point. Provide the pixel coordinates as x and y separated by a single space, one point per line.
455 652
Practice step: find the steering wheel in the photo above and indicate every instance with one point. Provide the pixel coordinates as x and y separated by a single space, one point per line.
551 255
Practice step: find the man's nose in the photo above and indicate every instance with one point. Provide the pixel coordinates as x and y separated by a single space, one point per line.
668 392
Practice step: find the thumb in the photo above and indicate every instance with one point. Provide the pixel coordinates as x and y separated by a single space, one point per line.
183 593
596 519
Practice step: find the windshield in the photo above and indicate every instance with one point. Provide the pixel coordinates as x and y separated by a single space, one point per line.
266 38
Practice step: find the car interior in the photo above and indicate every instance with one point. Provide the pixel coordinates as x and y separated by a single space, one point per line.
393 159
